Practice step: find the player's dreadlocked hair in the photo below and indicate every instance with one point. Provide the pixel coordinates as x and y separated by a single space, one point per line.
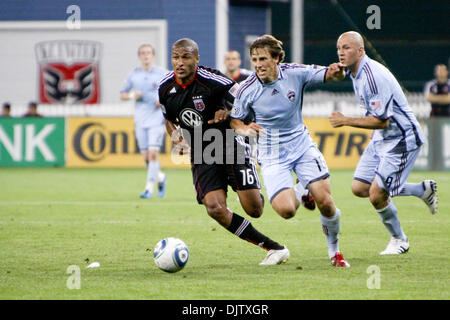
272 44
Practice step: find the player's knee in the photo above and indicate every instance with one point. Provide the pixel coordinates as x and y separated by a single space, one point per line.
359 190
378 198
255 211
287 212
325 205
216 211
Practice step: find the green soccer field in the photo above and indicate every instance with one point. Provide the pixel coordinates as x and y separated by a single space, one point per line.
51 219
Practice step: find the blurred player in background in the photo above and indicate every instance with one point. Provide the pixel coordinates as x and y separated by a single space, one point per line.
6 110
32 110
437 92
389 158
233 66
198 99
141 85
233 70
274 94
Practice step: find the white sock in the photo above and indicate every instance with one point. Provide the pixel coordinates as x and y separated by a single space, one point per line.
331 227
390 220
161 176
152 174
413 189
300 192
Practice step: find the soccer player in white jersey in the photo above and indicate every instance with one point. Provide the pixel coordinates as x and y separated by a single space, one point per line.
273 96
389 158
141 85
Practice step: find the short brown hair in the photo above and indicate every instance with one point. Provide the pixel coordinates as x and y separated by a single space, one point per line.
146 45
273 45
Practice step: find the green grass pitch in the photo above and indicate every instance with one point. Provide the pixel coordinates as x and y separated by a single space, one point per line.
53 218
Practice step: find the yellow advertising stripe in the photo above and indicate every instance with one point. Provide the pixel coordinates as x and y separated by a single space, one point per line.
341 147
110 143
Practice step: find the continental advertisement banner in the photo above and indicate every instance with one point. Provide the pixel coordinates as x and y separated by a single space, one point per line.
110 142
28 142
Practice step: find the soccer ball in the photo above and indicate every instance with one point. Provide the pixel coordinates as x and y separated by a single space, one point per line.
171 254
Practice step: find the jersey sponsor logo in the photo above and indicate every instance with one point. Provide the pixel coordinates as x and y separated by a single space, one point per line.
291 96
274 92
191 118
69 71
198 103
173 90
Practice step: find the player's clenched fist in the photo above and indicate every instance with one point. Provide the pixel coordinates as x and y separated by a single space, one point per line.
337 119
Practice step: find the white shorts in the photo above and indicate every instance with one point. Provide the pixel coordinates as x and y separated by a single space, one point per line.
308 168
150 138
391 170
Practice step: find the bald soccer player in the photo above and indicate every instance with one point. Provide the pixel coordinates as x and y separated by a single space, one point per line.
389 158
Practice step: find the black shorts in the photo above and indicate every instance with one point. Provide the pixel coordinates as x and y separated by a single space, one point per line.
210 177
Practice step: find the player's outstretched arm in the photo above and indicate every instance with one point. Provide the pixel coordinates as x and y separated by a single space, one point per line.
134 95
251 130
180 144
335 72
337 120
220 116
438 98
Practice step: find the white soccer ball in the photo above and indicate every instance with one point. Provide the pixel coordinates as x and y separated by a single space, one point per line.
171 254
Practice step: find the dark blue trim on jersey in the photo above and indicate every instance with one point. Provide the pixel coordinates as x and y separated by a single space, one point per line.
370 78
416 135
401 129
246 85
301 96
384 115
395 189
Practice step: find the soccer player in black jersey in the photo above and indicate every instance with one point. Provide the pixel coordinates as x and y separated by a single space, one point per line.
199 100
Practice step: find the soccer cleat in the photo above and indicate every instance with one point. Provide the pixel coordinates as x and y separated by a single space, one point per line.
338 261
396 246
276 257
308 201
146 195
162 188
430 196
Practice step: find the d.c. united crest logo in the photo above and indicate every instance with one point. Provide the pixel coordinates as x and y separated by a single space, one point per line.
69 71
198 103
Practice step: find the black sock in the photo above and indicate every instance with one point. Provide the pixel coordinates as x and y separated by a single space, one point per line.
244 230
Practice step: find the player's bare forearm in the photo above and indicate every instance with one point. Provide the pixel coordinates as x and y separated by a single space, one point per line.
251 130
170 127
124 96
220 116
335 72
438 98
337 120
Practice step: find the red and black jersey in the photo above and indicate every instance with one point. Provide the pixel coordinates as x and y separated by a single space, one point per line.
192 105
